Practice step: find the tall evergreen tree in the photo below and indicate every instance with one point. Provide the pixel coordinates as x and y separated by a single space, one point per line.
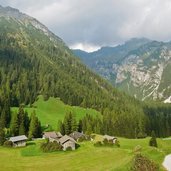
2 134
14 126
153 141
61 127
35 127
67 123
74 125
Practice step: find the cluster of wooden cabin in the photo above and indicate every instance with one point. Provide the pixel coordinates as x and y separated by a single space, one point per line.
66 141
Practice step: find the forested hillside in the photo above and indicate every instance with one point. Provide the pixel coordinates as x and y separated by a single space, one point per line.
33 61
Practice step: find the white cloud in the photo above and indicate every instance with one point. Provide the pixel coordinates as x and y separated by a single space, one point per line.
85 47
98 22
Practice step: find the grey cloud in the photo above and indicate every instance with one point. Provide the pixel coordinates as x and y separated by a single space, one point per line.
100 22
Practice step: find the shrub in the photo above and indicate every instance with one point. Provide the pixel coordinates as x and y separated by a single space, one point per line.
117 143
81 139
137 149
98 144
8 144
50 146
105 141
141 135
77 146
141 163
153 141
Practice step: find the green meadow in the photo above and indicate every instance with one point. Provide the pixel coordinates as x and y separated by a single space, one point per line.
86 158
52 110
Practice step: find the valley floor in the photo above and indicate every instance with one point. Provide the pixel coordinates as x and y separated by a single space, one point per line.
86 158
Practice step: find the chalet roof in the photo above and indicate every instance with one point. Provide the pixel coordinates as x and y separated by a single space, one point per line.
75 135
50 135
18 138
109 137
65 138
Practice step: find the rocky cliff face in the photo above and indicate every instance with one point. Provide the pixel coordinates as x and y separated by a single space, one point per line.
142 71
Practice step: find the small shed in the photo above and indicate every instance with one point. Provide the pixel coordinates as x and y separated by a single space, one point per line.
76 135
110 138
19 141
67 142
52 136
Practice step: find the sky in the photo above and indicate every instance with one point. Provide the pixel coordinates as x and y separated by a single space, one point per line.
91 24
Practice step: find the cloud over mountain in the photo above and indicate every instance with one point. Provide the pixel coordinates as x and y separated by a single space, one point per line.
98 22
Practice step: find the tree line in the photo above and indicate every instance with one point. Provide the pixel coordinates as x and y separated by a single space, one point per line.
21 124
112 124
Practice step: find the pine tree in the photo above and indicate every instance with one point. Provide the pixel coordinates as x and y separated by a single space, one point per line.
21 119
22 129
80 126
14 127
67 123
2 134
3 119
74 125
61 127
153 141
35 127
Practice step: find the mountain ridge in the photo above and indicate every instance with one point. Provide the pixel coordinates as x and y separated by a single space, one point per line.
130 62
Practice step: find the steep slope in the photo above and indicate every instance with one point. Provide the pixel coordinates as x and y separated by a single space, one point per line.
33 61
142 69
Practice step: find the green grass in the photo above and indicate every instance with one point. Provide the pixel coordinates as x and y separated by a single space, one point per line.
52 110
86 158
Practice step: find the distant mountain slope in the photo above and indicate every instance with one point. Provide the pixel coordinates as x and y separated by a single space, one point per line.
140 67
34 61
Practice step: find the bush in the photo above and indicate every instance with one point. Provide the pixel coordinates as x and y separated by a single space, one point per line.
81 139
98 144
8 144
141 163
50 146
153 141
105 141
141 135
117 143
137 149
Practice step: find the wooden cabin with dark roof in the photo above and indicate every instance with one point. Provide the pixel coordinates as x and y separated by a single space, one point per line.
19 141
77 135
52 136
67 142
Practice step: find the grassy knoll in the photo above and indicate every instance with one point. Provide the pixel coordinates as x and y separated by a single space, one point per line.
85 158
50 111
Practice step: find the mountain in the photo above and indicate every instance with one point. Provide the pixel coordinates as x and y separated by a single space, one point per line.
35 61
140 67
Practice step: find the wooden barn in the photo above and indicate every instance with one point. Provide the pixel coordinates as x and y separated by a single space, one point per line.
67 142
19 141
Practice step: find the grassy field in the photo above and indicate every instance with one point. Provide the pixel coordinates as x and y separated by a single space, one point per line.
49 112
85 158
